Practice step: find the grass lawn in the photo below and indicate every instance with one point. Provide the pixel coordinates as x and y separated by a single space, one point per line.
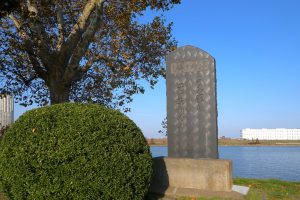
260 190
270 189
266 190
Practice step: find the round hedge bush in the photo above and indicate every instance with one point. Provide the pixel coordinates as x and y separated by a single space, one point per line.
74 151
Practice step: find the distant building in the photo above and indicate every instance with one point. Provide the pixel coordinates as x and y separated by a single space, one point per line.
271 134
6 110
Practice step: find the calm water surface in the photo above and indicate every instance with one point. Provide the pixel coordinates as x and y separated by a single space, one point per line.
257 162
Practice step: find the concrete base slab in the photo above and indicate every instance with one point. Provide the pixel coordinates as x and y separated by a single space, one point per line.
175 177
173 193
240 189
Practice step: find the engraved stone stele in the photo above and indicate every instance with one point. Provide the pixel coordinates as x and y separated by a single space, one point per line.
192 168
191 104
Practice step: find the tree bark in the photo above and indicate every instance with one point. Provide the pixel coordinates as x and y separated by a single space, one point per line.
59 93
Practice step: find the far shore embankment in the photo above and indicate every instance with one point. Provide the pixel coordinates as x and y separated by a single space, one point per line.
234 142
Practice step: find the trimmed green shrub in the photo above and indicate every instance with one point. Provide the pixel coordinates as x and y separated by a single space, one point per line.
74 151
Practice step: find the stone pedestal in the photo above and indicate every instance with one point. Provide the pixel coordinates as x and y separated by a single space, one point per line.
193 178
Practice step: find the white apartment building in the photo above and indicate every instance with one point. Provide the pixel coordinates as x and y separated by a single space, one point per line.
6 110
271 134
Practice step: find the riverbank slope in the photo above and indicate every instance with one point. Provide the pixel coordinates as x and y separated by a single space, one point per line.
234 142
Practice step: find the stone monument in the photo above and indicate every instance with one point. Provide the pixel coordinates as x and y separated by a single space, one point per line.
192 167
191 104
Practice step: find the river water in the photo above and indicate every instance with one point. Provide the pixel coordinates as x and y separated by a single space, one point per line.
263 162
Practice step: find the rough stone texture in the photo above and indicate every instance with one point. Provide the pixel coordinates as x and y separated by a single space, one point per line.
193 177
206 174
191 104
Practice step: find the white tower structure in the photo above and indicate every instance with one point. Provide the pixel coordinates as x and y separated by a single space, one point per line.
6 110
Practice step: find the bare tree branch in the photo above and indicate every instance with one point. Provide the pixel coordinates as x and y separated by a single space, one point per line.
35 64
81 23
39 35
87 66
32 7
109 59
78 29
24 79
28 46
60 21
83 45
18 25
83 70
15 20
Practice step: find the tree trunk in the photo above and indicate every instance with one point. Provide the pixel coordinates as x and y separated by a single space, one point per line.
59 93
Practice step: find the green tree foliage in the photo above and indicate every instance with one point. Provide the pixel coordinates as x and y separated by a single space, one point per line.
82 50
74 151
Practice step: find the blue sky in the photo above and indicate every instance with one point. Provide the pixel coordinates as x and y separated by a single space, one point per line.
256 45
